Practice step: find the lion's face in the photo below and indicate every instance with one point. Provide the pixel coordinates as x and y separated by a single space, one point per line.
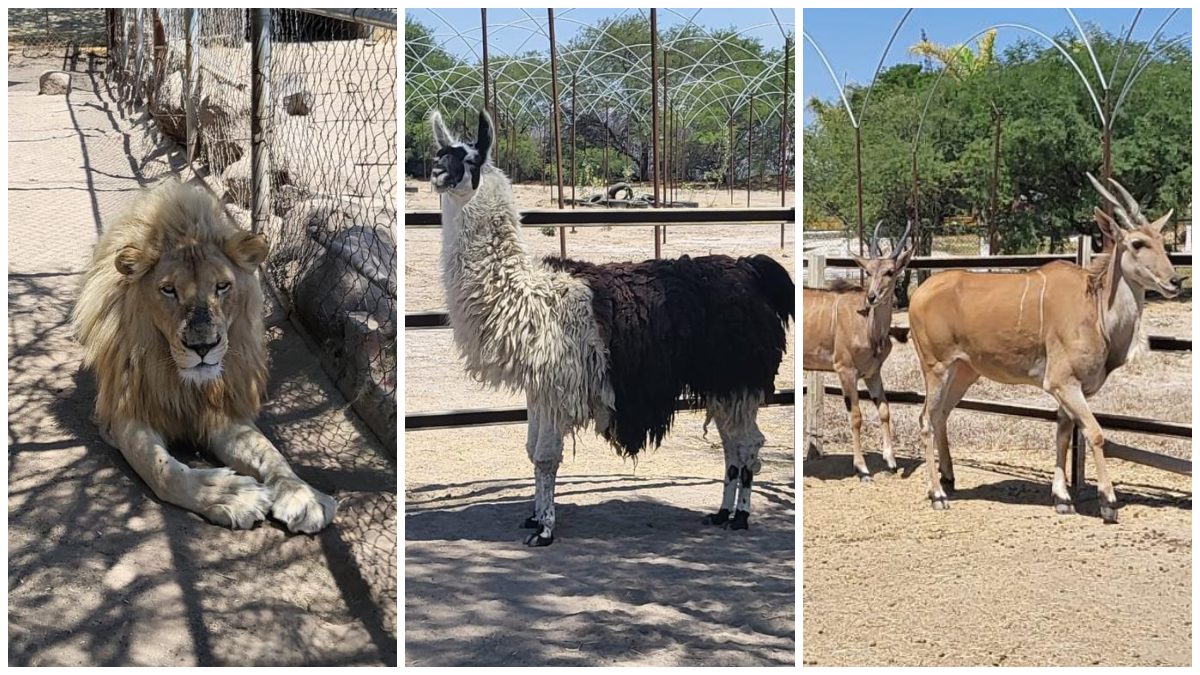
192 292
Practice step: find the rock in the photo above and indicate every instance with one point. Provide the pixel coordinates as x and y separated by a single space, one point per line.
167 107
54 83
299 103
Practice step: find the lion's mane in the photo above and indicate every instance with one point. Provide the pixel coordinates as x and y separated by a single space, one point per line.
136 378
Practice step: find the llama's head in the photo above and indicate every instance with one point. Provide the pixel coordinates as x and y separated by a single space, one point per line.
458 164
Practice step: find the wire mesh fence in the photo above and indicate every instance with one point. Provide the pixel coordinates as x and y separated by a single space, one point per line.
58 33
330 179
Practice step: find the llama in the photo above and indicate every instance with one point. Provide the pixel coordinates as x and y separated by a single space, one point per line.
616 345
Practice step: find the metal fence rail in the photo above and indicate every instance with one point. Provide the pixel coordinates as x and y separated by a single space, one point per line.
290 116
543 217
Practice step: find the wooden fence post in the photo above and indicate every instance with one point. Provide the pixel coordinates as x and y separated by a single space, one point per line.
814 382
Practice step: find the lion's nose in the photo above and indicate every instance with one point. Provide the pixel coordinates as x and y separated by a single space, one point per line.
201 348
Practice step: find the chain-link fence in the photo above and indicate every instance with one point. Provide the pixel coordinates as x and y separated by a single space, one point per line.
69 35
325 196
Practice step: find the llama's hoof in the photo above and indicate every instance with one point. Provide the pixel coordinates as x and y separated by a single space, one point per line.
741 520
940 503
1063 506
530 523
539 538
947 484
1109 513
864 477
718 518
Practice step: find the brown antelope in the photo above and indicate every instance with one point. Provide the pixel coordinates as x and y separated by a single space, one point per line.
846 331
1060 327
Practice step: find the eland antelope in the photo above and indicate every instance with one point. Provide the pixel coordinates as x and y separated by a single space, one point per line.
846 331
1059 327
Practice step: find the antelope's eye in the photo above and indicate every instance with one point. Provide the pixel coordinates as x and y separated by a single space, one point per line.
223 287
889 273
167 290
1138 244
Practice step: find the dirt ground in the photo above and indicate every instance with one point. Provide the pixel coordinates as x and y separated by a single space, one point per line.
1000 578
634 577
100 571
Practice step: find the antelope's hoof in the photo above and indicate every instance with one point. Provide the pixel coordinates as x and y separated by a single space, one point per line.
947 484
940 503
539 538
718 518
741 520
530 523
1109 513
864 477
1063 506
814 452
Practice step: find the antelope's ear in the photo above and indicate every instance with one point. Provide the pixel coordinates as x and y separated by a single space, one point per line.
132 262
905 256
1158 225
441 135
247 250
483 136
1108 226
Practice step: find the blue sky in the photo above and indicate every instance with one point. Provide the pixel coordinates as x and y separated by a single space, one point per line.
512 31
854 39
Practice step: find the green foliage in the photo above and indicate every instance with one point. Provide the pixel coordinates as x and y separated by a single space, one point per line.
1049 136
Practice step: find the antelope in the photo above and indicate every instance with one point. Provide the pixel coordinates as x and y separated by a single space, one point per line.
846 331
1060 327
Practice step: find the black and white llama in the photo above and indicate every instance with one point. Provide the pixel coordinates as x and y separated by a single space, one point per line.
615 344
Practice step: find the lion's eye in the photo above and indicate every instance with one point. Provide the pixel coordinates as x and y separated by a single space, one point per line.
168 291
223 287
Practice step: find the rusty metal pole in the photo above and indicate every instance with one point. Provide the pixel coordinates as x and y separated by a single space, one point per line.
606 131
558 163
859 186
483 27
654 119
783 130
1106 154
749 148
573 164
260 119
730 181
992 206
666 128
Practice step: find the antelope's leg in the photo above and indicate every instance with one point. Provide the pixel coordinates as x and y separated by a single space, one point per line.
931 420
1062 441
1071 397
531 439
875 388
547 456
959 379
850 396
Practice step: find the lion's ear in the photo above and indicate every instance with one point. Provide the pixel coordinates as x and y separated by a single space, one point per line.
132 262
247 250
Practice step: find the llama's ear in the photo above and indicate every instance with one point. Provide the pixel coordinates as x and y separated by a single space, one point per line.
441 135
132 262
247 250
483 138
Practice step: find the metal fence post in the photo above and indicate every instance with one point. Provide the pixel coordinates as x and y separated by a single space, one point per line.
138 39
191 98
1083 256
260 118
814 382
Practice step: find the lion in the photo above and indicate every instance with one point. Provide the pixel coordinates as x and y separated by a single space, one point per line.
170 316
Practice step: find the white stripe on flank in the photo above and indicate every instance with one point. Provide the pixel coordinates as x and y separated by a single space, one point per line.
1021 308
1042 304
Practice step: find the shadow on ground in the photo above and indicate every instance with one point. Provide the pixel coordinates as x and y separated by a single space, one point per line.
100 571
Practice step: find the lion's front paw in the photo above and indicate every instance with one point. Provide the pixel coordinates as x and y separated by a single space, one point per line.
230 499
302 508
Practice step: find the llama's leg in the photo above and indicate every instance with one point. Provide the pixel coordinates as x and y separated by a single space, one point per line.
547 455
731 474
531 439
749 441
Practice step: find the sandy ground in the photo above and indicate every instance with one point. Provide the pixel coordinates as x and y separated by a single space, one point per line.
634 577
100 571
1000 578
